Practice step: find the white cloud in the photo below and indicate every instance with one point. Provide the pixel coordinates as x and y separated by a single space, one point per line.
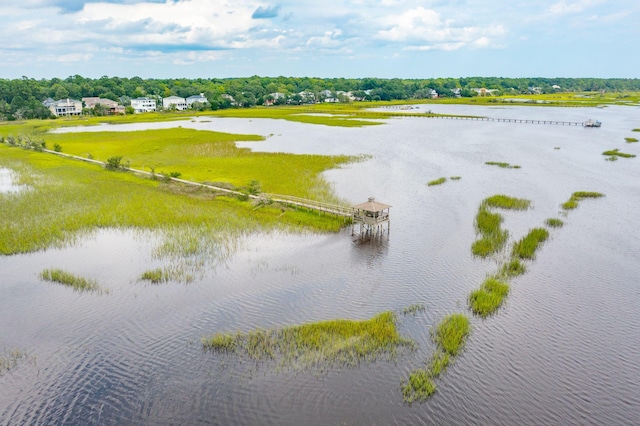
424 29
123 33
75 57
564 7
328 39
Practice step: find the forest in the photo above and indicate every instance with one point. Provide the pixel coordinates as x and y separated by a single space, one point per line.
22 98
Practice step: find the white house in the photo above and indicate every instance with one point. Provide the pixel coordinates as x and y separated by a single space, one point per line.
328 96
484 92
229 98
143 104
307 97
64 107
273 97
196 99
174 101
345 95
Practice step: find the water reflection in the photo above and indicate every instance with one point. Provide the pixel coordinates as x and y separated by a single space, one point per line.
7 182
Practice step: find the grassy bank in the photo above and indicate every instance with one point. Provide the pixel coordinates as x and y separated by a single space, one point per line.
204 156
67 198
335 343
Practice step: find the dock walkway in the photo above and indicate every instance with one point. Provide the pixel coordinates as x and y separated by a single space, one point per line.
318 206
509 120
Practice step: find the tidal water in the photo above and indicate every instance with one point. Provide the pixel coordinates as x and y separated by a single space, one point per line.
564 348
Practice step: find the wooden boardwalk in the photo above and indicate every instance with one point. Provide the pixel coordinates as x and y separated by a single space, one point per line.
318 206
509 120
335 209
479 118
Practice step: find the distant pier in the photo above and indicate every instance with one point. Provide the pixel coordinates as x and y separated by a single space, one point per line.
510 120
430 114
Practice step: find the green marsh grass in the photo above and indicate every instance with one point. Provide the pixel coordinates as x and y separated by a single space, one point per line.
413 309
576 197
155 276
438 181
455 177
419 387
10 360
631 140
335 343
451 333
439 362
68 199
449 336
488 224
489 297
493 237
502 165
513 268
210 156
554 222
65 278
616 153
527 246
506 202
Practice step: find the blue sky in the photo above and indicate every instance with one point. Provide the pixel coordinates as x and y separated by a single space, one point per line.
321 38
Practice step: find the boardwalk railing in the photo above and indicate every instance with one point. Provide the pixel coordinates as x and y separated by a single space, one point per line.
509 120
311 204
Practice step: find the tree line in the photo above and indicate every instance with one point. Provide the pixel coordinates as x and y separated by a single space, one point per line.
22 98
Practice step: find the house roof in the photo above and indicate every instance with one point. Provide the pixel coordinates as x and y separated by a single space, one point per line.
197 97
371 206
66 102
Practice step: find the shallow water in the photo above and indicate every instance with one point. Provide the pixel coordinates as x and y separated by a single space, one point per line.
7 182
563 350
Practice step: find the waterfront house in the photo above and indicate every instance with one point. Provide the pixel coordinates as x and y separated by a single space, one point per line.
196 99
230 98
112 107
176 102
64 107
143 105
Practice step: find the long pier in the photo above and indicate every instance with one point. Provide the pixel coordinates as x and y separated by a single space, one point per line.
508 120
430 114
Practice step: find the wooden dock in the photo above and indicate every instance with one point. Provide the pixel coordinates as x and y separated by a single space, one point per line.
318 206
508 120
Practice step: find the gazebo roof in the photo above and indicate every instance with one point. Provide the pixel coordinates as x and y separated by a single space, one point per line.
371 206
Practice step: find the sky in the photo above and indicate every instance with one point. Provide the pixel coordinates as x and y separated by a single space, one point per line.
319 38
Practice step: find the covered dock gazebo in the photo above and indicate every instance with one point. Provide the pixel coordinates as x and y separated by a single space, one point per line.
370 217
